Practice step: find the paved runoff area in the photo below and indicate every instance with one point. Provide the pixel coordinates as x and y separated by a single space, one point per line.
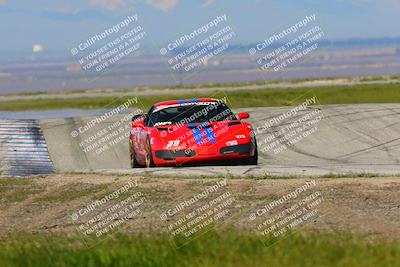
318 140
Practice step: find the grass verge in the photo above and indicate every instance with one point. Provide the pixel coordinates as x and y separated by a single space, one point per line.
356 94
17 190
228 248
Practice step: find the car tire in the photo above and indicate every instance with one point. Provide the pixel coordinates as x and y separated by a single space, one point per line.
133 161
252 160
149 159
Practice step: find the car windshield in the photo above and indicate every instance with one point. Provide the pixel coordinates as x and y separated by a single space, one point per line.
193 113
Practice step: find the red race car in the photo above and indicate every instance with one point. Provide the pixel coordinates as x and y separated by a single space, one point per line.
189 132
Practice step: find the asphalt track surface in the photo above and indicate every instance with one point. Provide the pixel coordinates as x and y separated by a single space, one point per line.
321 140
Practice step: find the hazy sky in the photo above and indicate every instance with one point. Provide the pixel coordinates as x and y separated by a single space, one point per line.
58 25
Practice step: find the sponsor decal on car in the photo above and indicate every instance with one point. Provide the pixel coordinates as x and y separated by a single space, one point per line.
232 143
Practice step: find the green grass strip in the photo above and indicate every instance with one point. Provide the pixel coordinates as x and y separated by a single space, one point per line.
357 94
229 248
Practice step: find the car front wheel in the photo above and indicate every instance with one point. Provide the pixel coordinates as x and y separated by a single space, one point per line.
149 155
133 161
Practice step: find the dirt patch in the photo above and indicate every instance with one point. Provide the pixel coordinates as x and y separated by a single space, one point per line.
366 205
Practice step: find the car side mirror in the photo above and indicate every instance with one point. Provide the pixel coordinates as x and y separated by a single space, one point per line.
243 115
137 117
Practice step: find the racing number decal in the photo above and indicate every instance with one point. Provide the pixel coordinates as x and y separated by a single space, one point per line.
172 143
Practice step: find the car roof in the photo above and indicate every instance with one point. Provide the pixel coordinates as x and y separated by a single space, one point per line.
184 101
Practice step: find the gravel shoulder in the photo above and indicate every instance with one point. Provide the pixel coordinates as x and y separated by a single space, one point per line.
45 204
